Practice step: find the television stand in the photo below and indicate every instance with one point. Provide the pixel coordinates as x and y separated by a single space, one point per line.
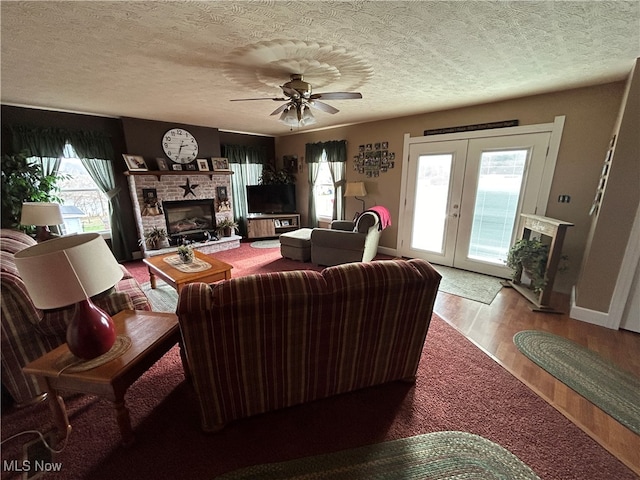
271 225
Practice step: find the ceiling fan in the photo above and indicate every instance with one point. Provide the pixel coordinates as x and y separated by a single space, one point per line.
300 99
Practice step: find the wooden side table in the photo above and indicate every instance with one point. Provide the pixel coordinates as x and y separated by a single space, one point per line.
151 334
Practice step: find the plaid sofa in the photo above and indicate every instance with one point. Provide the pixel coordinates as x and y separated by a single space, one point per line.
27 332
264 342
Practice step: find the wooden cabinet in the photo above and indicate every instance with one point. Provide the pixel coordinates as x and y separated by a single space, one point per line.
553 232
262 226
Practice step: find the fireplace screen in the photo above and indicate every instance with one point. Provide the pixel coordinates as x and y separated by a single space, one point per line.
189 217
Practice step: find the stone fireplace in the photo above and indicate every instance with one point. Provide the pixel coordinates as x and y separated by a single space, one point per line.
185 205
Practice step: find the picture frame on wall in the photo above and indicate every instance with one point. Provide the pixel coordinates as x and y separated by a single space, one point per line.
220 164
162 164
221 193
190 166
203 164
176 166
135 163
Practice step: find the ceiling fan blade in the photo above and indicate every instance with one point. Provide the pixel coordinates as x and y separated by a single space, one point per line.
323 106
263 98
280 109
337 95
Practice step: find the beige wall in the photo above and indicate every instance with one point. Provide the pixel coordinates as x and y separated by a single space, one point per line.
590 117
611 226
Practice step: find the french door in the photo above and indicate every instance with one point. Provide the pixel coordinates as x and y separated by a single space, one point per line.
464 198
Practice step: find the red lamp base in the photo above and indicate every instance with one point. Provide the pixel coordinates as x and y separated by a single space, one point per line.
91 332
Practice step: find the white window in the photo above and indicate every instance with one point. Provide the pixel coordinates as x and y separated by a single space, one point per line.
85 208
323 192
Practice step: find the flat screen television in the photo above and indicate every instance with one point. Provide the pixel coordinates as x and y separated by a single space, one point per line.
271 198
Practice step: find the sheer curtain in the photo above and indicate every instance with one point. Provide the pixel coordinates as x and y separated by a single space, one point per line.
336 154
96 153
246 163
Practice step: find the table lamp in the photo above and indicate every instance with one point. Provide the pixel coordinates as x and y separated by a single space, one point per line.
356 189
69 270
41 214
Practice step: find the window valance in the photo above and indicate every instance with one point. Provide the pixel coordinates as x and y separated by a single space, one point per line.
50 141
335 150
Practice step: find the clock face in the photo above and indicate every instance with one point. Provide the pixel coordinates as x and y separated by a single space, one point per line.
180 146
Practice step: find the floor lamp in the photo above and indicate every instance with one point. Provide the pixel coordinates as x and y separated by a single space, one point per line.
69 270
356 189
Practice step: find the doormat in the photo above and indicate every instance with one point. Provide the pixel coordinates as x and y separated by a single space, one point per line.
471 285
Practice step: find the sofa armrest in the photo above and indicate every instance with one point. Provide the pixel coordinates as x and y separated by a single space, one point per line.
115 302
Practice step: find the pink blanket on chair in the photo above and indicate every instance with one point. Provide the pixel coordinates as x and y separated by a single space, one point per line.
383 214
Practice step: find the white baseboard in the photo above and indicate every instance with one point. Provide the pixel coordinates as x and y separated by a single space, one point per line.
589 316
388 251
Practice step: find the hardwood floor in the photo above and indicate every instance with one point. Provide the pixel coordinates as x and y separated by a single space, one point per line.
491 327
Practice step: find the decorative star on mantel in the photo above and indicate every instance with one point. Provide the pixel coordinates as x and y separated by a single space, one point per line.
188 189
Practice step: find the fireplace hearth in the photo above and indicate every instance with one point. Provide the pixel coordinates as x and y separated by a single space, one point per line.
190 220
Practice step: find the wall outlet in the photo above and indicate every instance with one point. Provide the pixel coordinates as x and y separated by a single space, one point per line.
564 198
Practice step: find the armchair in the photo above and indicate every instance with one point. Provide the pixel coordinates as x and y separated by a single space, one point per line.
346 241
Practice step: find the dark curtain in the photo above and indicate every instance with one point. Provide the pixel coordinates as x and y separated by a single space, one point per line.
246 162
96 152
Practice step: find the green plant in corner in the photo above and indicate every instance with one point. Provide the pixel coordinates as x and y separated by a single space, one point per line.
153 237
226 227
529 256
271 176
23 182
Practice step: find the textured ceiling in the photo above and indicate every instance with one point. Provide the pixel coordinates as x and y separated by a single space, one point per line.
183 61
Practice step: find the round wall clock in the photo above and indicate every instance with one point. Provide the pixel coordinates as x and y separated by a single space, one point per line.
180 146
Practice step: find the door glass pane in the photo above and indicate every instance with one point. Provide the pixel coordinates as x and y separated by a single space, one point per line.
432 193
496 204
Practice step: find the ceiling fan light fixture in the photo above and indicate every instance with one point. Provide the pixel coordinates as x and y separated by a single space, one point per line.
289 117
307 117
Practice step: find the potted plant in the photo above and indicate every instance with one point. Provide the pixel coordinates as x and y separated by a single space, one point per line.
153 238
271 176
529 256
185 252
226 227
24 182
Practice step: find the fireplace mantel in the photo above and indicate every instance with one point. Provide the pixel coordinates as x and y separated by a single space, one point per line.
161 173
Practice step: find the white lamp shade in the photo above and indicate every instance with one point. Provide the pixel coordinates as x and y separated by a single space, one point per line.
41 214
67 270
355 189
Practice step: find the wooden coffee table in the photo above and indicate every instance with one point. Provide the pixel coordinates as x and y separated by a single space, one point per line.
152 334
177 279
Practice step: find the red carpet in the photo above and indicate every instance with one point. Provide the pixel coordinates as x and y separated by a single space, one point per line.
458 388
246 260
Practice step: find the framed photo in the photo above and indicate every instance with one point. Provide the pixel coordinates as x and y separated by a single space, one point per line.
190 166
220 164
203 164
162 164
276 223
135 163
285 223
221 193
176 166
